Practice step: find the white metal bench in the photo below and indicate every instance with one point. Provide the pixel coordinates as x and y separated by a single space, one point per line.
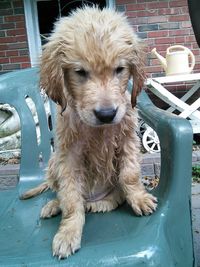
188 111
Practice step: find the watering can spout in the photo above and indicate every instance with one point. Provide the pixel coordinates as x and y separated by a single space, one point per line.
160 58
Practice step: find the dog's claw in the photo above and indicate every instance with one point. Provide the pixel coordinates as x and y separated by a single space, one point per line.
143 203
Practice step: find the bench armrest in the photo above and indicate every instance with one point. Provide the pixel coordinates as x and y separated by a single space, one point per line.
176 136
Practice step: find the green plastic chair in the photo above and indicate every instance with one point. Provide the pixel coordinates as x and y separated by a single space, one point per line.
118 238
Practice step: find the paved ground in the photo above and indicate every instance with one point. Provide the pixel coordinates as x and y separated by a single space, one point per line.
150 168
196 220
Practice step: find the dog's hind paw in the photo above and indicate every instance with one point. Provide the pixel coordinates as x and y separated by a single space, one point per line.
51 209
110 202
101 206
65 244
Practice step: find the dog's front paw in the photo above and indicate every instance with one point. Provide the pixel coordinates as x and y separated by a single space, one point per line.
143 203
65 244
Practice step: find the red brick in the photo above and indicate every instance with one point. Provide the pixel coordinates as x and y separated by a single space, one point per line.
169 11
11 53
131 14
195 52
157 19
180 32
186 24
16 32
197 58
190 38
140 20
195 45
180 39
188 45
5 26
133 7
158 34
20 24
160 48
179 18
147 13
3 47
21 38
143 1
7 40
184 10
154 62
167 40
4 60
156 5
123 2
150 41
2 54
19 59
17 46
23 52
197 67
176 3
25 65
18 3
14 18
153 69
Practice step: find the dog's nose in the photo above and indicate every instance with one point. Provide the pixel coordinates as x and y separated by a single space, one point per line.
105 115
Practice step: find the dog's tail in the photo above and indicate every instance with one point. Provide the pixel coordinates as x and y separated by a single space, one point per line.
35 191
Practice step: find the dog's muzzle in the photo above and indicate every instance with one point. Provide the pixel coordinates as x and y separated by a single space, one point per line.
106 115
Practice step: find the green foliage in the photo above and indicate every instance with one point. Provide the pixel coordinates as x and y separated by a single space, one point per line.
196 173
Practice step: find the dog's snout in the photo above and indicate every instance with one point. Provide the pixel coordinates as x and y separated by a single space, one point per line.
105 115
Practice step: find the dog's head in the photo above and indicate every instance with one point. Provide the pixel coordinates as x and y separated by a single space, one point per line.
88 61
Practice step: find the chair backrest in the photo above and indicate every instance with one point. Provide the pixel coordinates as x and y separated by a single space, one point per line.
15 88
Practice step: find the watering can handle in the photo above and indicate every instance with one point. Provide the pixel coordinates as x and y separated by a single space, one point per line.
192 59
186 49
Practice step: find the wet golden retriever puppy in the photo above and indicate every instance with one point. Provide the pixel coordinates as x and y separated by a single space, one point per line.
85 68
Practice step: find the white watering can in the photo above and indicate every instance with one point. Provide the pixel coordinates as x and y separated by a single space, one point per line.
179 60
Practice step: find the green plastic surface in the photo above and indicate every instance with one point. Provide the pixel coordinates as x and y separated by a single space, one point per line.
118 238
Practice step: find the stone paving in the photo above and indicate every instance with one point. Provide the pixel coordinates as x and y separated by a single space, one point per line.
196 220
151 163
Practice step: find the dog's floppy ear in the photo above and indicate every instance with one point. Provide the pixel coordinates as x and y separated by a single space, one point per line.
137 71
51 74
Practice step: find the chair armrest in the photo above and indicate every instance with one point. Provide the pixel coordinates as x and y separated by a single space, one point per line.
176 136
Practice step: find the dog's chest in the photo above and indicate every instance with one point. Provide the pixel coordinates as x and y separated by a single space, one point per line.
101 154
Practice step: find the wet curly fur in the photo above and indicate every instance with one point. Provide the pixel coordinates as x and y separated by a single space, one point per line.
85 68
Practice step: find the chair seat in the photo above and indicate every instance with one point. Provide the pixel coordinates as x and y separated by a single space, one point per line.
109 239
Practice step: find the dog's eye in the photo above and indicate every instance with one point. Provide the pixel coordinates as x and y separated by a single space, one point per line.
119 70
82 73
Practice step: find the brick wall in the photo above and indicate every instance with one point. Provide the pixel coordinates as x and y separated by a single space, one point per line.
161 23
14 52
